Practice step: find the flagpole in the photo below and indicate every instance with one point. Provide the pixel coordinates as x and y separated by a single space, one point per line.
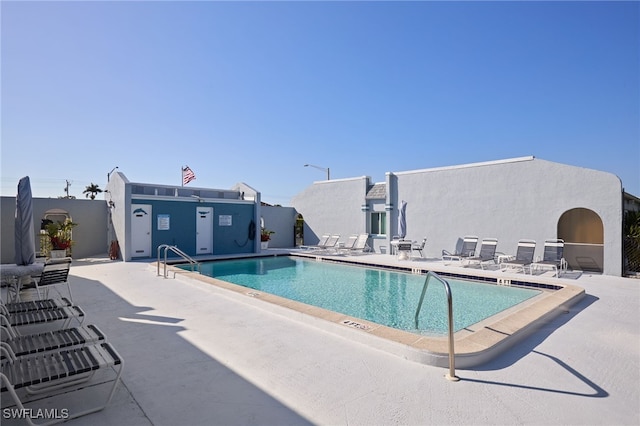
181 175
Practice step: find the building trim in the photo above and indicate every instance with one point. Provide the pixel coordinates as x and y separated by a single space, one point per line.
466 166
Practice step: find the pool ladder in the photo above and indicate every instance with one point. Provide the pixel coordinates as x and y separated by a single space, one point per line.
176 250
452 367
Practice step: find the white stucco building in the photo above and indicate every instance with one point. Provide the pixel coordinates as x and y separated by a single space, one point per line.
513 199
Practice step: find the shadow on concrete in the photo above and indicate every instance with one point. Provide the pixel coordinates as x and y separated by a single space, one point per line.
598 392
171 381
528 345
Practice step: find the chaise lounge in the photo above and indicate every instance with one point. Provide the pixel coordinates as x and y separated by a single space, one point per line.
523 258
552 258
49 373
50 340
48 312
487 253
467 250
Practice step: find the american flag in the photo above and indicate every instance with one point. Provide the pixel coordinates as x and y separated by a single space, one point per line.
187 175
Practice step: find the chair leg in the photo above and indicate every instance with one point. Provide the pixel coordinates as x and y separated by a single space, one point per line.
69 289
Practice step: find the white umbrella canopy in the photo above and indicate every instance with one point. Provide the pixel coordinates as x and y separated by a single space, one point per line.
25 244
402 220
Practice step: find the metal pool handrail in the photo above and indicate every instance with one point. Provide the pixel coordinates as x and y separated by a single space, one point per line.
452 367
177 251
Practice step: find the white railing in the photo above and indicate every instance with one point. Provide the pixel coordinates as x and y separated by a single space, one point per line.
180 253
452 362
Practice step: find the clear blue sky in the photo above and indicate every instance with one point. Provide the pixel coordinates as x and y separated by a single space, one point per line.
250 92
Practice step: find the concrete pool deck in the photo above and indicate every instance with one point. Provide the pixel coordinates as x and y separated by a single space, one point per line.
195 356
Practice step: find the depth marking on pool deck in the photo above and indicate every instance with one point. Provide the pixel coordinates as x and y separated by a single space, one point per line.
354 324
253 294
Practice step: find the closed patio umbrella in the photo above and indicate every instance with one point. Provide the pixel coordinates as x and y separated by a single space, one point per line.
25 245
402 220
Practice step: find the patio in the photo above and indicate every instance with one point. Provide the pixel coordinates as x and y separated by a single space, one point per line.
194 356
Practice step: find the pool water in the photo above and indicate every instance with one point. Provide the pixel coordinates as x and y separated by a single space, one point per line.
385 297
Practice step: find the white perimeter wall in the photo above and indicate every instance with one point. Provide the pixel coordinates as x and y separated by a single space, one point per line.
281 220
332 207
509 200
90 236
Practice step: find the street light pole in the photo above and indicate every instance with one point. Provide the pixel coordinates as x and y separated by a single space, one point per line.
109 174
325 169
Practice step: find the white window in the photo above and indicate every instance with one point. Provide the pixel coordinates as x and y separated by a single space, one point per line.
378 223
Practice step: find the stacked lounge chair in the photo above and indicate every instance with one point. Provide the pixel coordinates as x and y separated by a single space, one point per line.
53 313
52 372
41 356
50 340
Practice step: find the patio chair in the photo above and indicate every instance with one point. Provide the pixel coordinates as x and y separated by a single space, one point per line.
34 305
468 249
360 246
552 258
348 245
487 253
50 373
54 273
60 317
50 340
523 258
330 245
321 244
419 247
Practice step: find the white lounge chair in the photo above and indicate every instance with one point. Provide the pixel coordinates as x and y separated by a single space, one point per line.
360 246
50 340
52 313
34 305
348 245
330 246
321 244
468 249
54 372
523 258
552 258
487 253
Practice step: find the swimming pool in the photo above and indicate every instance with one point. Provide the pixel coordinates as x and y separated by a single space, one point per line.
382 296
474 344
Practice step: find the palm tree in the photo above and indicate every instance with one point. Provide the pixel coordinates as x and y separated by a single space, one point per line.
91 191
